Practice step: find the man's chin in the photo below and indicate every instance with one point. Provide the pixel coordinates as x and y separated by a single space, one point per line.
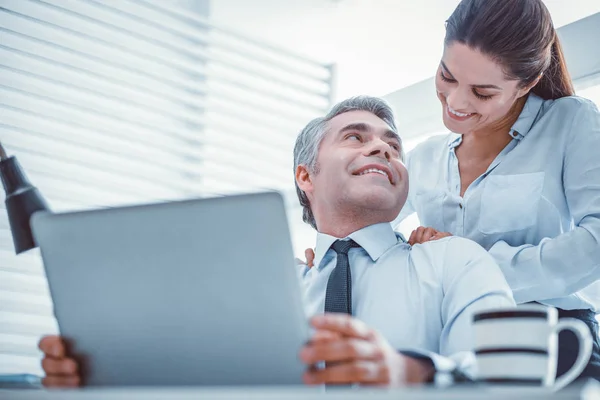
378 199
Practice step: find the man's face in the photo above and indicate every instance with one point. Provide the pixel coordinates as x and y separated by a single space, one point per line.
359 168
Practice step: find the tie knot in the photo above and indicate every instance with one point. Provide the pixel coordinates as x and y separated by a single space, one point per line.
342 246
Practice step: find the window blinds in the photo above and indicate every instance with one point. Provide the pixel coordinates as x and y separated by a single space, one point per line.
118 102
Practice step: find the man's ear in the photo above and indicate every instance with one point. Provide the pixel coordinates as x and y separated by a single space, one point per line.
303 179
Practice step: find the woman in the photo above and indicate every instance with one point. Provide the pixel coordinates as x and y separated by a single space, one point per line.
520 172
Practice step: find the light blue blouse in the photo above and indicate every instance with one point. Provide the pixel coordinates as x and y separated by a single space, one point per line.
537 207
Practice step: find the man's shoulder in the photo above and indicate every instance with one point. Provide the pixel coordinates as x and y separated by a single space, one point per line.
449 242
453 252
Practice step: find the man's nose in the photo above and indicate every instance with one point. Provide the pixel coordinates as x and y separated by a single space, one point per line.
380 149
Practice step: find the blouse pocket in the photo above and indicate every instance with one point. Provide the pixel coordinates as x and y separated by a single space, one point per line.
510 202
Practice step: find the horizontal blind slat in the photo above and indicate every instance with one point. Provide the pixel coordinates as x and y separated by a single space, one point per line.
106 103
240 42
20 283
18 120
16 364
63 24
95 166
19 345
71 59
21 97
25 303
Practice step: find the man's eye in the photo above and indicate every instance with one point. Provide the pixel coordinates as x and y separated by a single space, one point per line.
395 146
354 136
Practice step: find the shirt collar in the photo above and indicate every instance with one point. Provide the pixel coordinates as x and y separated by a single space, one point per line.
374 239
528 115
454 140
520 128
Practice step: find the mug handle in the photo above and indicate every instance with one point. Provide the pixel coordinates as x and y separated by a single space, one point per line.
580 329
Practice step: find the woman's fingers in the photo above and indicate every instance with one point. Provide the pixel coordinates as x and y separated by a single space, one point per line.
412 238
310 257
421 235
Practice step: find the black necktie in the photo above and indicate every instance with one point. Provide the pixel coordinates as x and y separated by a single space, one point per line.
338 297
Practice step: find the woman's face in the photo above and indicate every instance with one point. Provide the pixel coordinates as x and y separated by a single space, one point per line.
473 90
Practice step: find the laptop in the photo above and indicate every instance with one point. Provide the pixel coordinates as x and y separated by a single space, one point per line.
195 292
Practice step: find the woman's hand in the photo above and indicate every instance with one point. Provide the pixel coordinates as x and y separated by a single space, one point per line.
423 234
310 258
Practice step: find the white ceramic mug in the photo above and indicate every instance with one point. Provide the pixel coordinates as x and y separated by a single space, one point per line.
520 346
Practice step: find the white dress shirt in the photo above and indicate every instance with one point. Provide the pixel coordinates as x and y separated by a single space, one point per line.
537 207
420 298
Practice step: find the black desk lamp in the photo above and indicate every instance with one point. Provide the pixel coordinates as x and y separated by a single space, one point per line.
22 201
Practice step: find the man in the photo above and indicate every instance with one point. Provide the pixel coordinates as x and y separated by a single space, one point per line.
412 305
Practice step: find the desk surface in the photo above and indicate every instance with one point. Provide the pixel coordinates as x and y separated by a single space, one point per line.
588 391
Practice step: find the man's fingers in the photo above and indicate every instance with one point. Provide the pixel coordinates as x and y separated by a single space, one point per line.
340 351
324 336
343 324
62 366
345 373
310 257
52 381
52 346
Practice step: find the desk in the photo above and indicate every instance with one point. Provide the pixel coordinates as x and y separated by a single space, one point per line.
587 391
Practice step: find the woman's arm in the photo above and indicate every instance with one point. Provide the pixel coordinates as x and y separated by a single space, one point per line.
560 266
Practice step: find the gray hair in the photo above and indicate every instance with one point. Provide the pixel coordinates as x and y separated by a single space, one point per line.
309 140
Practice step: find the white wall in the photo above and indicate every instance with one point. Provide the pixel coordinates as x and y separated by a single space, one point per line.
378 46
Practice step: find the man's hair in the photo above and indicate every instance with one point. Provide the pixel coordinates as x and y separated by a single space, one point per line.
309 140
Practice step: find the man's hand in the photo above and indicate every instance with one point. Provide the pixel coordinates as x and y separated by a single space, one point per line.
60 370
356 354
423 234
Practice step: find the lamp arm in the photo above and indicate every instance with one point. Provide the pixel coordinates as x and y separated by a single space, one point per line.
22 201
3 155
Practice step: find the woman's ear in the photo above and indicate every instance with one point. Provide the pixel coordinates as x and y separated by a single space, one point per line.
303 179
523 91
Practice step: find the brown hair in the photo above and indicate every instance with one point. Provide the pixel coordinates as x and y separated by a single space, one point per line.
520 35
